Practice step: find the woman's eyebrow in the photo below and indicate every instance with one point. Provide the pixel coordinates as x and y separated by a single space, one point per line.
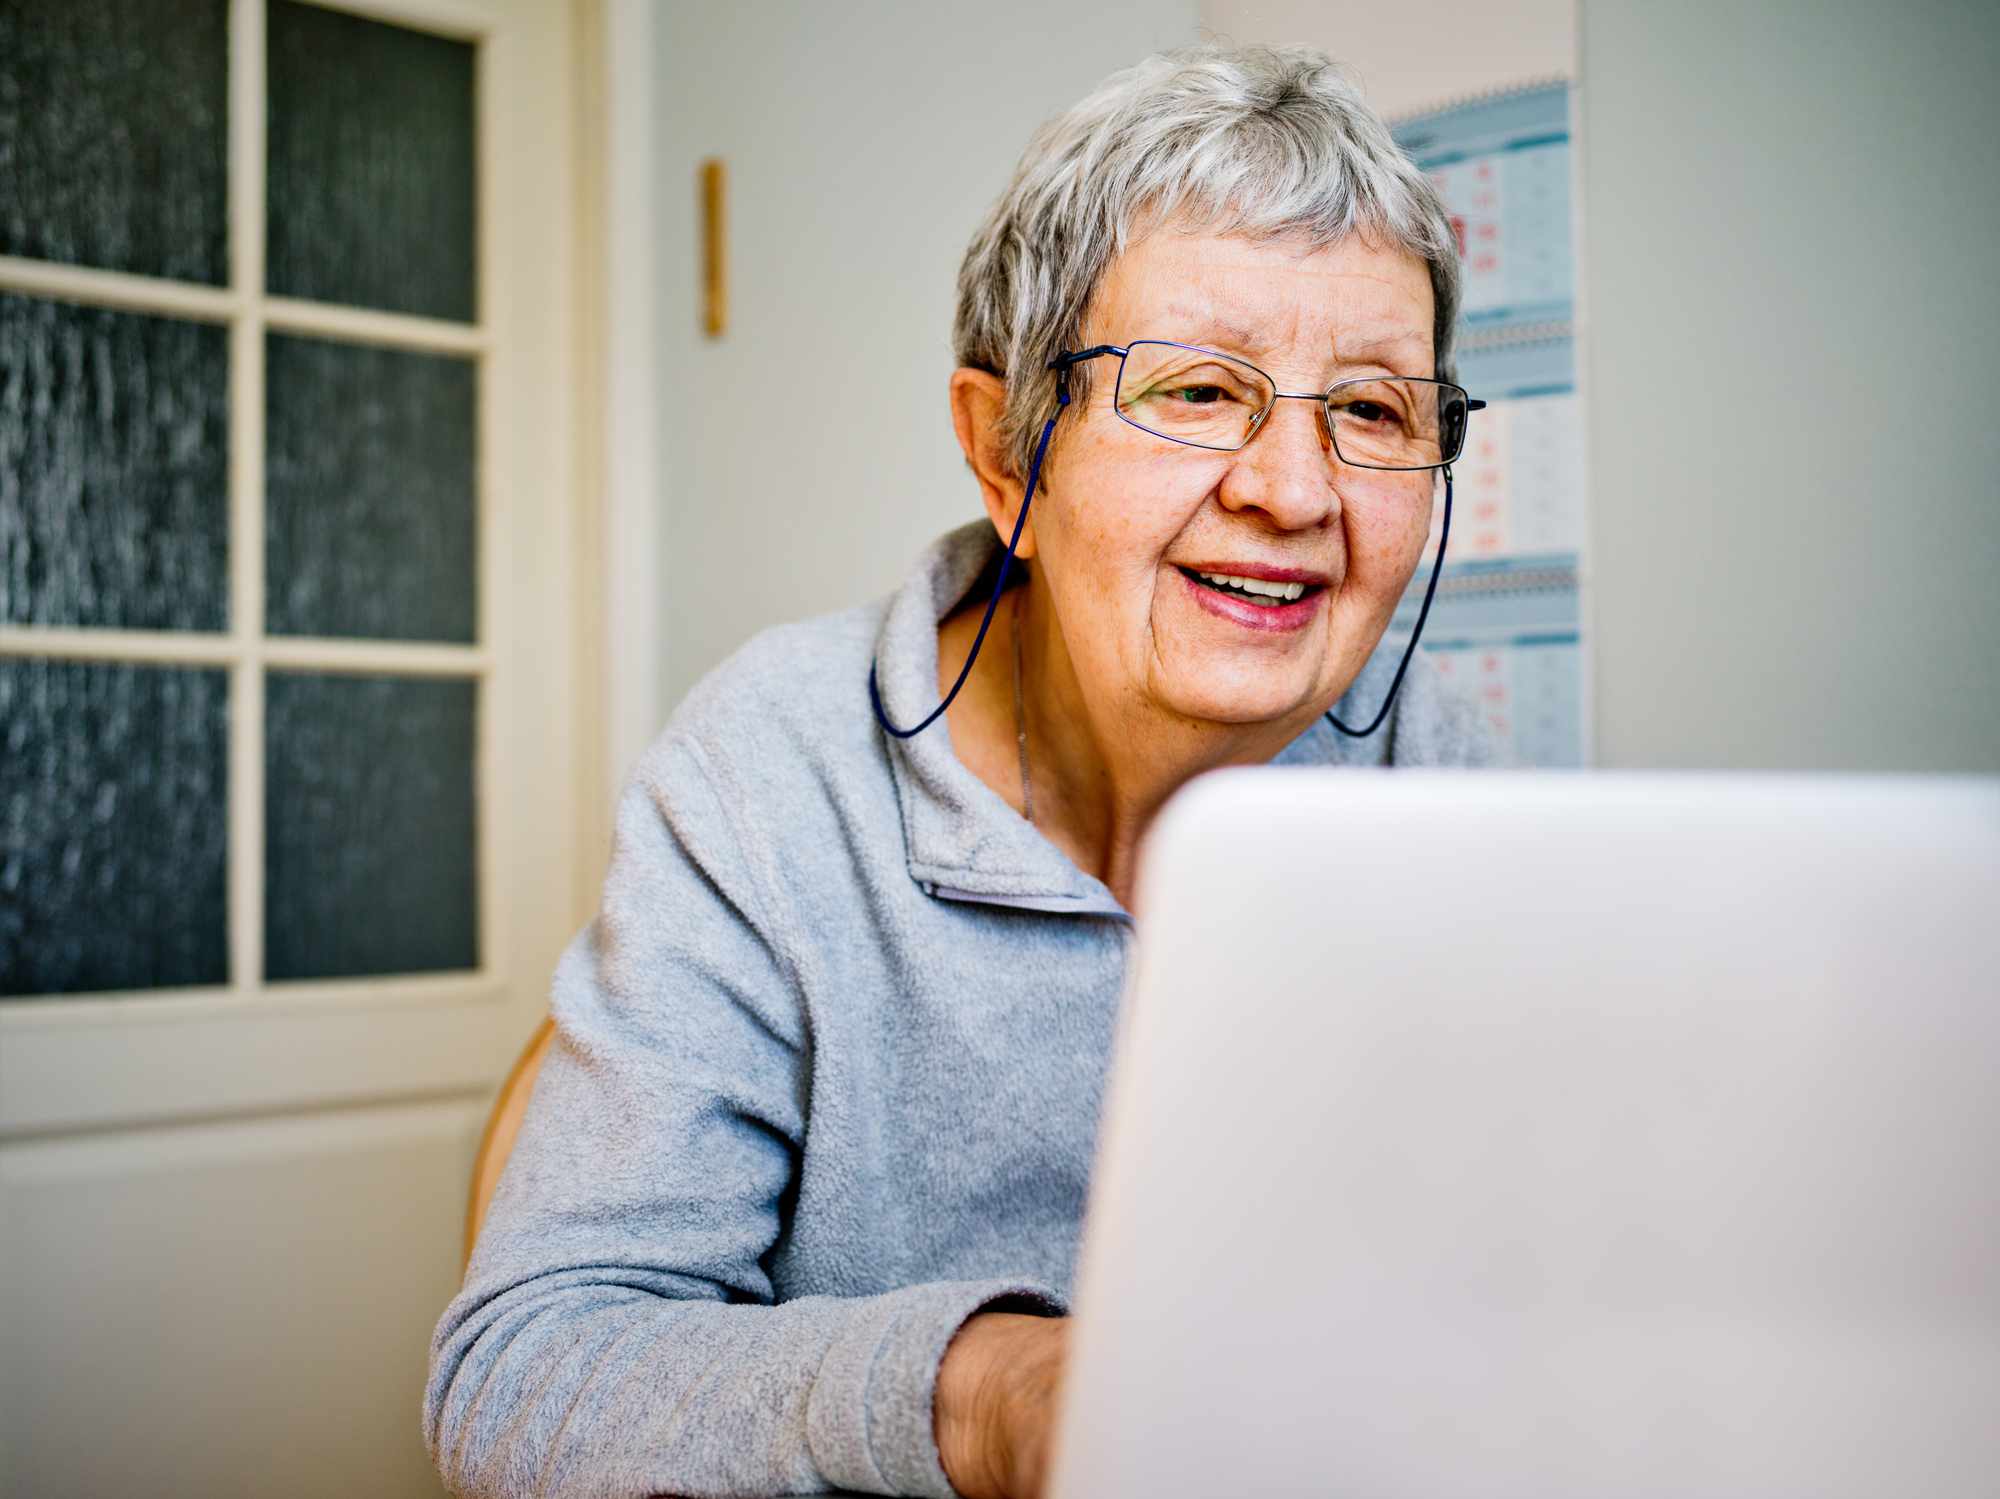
1372 347
1377 348
1215 331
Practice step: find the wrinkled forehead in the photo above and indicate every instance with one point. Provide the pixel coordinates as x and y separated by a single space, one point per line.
1280 303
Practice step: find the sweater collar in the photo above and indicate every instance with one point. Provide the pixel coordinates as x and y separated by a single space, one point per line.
964 842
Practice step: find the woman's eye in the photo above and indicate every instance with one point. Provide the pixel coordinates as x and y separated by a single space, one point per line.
1367 411
1198 395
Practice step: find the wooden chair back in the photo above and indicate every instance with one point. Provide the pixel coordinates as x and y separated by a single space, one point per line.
502 1125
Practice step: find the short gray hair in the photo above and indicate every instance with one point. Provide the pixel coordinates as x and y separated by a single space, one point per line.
1266 141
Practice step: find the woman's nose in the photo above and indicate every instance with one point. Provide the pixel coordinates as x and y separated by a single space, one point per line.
1286 469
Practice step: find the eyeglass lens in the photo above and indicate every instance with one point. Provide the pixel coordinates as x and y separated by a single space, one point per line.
1211 400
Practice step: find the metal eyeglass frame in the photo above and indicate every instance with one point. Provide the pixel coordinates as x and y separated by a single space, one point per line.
1064 362
1061 365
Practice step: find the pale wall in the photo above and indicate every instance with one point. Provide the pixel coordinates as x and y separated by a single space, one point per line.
1791 211
1409 57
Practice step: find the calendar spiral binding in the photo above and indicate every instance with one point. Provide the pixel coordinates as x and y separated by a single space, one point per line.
1477 97
1531 577
1491 338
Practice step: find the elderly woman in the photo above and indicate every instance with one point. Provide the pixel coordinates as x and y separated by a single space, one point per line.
795 1204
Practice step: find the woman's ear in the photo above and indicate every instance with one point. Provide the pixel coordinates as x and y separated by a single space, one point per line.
978 402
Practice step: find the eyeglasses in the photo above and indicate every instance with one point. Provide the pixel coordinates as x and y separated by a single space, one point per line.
1209 400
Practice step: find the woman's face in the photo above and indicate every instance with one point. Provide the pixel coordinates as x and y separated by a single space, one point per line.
1128 519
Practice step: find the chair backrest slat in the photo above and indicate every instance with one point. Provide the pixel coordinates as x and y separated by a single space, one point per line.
502 1125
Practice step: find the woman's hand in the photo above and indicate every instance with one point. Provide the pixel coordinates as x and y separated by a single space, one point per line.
995 1406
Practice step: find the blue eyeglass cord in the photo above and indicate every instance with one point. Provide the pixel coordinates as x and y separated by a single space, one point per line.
1000 586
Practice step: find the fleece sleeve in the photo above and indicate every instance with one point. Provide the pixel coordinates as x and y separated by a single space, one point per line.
617 1331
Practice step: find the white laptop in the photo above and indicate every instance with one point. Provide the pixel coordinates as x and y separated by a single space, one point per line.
1551 1137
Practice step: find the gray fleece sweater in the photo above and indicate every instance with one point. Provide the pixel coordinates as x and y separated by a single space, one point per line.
825 1083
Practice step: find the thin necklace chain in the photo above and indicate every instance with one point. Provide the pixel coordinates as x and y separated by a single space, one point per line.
1021 716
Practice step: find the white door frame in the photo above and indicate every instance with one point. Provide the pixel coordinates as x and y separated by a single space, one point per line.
77 1062
628 215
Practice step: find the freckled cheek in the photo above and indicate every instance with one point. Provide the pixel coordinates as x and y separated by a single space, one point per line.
1122 514
1385 536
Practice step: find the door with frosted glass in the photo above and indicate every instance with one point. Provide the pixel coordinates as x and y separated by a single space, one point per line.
287 802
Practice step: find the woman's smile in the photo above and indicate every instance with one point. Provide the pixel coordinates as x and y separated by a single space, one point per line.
1263 599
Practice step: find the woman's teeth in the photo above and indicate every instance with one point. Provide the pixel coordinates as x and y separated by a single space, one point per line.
1254 590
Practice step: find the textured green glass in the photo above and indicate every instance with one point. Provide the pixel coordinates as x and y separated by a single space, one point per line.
114 826
370 195
369 494
369 825
114 468
114 135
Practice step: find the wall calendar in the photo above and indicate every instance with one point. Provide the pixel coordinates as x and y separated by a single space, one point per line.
1507 618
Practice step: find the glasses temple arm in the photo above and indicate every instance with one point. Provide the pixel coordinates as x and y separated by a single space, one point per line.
1064 360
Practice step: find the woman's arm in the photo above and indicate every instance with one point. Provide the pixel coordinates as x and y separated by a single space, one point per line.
617 1332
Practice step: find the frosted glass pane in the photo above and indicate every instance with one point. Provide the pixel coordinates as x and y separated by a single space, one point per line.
369 826
114 468
114 134
114 826
370 196
368 490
